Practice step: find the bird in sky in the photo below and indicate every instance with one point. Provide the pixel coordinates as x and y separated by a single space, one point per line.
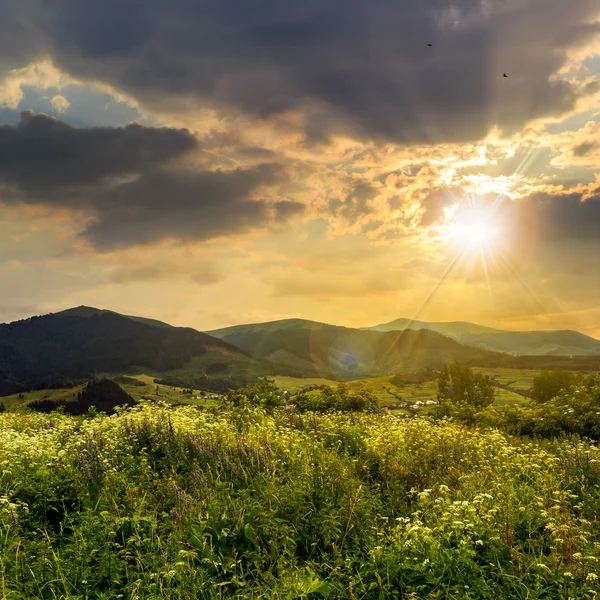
505 75
430 45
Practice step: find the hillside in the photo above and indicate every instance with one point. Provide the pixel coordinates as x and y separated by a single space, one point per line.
322 350
331 351
89 311
52 349
517 343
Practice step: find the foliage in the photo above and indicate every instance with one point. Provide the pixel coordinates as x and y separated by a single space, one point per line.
571 411
324 398
260 395
159 502
460 385
548 384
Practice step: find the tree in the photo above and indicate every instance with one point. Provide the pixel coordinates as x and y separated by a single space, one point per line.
324 398
548 384
459 384
263 395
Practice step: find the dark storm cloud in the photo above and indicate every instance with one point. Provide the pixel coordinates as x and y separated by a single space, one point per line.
45 161
43 154
286 209
584 148
358 67
185 206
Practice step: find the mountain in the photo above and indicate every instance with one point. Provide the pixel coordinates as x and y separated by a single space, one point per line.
89 311
517 343
449 328
52 349
328 350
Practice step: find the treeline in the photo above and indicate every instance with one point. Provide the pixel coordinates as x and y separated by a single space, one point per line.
219 385
315 398
571 363
562 403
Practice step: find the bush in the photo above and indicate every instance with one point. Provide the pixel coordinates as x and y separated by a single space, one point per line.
325 398
259 395
548 384
157 502
460 385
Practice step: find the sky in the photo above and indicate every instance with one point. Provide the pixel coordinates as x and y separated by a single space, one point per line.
346 161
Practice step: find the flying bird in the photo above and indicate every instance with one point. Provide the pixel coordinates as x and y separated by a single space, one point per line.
505 75
430 45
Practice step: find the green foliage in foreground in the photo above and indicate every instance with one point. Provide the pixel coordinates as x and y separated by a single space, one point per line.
562 404
549 384
160 502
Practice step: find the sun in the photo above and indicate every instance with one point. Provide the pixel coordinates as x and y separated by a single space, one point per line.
473 228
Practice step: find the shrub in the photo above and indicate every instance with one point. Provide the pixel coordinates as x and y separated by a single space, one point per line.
548 384
459 385
325 398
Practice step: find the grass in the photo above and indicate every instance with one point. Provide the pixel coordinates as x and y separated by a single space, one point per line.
139 386
178 503
387 393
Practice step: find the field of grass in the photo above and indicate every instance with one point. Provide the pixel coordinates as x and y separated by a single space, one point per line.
518 378
139 387
390 394
49 394
179 503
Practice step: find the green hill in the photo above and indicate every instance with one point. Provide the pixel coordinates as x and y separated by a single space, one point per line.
322 350
341 352
52 350
517 343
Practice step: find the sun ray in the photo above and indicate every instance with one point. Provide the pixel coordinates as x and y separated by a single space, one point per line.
437 285
523 283
485 269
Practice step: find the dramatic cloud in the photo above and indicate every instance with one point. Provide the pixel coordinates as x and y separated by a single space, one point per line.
42 154
185 206
330 126
349 66
120 177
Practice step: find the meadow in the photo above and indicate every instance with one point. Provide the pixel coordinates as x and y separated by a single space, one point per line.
175 502
138 386
388 392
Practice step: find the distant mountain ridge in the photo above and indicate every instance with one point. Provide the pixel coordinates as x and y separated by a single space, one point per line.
343 352
333 351
84 341
516 343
